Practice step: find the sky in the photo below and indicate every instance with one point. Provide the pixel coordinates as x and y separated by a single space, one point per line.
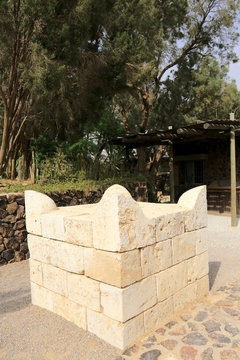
234 73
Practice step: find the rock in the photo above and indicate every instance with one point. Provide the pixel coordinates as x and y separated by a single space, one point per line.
220 338
19 225
224 303
3 213
169 344
207 354
10 219
201 316
177 332
2 247
232 330
170 324
186 317
192 326
20 212
212 325
119 358
229 355
19 256
194 338
231 312
161 331
150 355
3 261
130 350
21 201
235 288
188 353
152 338
12 208
236 344
3 230
24 247
8 254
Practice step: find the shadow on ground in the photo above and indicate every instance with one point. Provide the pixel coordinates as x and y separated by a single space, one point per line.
214 267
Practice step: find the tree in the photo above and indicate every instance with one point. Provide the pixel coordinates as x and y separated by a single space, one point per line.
148 38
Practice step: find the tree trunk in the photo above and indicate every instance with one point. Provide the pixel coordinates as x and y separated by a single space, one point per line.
4 143
142 161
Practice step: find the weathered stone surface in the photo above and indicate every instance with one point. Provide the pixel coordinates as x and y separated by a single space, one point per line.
123 304
12 208
20 212
232 330
154 316
231 312
184 247
66 256
171 280
184 296
84 291
201 315
194 338
229 355
79 230
212 325
151 355
131 350
169 225
114 332
201 241
188 353
207 354
171 324
41 297
8 254
178 331
39 248
156 257
36 273
55 279
36 204
169 344
202 286
125 267
195 202
220 338
19 256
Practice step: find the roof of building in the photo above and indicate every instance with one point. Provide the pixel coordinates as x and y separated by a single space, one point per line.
201 130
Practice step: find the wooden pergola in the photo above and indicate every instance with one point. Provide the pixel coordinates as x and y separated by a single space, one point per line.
199 131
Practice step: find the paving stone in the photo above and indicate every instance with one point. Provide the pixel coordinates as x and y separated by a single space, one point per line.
188 353
161 331
177 332
236 344
232 330
234 297
212 325
150 355
169 344
185 317
194 338
201 316
229 355
170 324
152 338
130 350
207 354
231 312
119 358
192 326
224 303
235 288
222 288
148 345
220 338
218 345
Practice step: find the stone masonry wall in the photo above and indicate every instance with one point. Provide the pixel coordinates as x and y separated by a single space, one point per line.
13 234
117 268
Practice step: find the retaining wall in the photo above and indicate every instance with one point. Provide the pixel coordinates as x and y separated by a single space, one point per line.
117 268
13 234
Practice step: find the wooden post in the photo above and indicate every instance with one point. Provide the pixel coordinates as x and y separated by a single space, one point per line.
233 177
171 176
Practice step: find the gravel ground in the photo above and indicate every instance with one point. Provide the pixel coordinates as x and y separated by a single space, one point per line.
28 332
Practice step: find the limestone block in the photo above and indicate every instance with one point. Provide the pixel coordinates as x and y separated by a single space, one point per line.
53 225
67 256
202 286
202 241
79 230
184 296
39 248
35 205
184 246
202 263
84 291
118 269
112 331
36 271
119 223
195 202
155 258
171 280
55 279
197 267
169 225
41 297
70 310
154 316
124 304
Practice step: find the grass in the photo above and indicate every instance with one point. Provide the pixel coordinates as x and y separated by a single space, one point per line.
81 185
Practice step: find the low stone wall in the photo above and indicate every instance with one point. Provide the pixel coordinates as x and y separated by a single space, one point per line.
13 234
117 268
